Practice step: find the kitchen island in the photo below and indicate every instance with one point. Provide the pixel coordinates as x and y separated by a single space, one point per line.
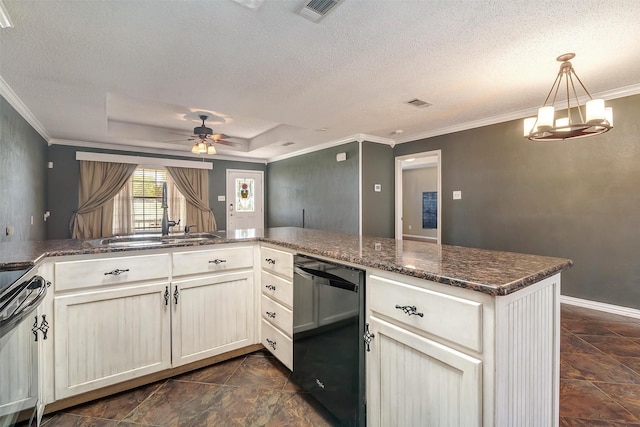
457 336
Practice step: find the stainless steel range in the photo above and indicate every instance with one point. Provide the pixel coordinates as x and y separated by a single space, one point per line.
328 325
21 292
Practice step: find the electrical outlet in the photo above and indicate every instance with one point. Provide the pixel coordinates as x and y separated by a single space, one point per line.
10 230
31 219
410 227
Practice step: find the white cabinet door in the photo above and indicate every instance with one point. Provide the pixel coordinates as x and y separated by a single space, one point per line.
414 381
213 315
19 369
108 336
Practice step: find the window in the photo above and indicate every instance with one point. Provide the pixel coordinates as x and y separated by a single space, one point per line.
138 207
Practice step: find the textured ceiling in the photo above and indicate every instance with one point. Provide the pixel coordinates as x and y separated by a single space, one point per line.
136 73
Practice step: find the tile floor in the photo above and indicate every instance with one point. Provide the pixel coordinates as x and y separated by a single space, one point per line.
599 386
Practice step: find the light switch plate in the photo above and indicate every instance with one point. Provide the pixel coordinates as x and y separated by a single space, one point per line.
457 195
377 188
221 198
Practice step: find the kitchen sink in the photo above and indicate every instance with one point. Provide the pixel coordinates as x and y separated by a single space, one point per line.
150 240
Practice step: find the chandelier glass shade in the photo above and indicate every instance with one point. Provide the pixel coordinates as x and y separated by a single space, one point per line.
203 147
597 118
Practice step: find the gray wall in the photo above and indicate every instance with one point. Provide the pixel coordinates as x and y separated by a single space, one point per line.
378 209
326 189
63 185
414 183
23 175
577 199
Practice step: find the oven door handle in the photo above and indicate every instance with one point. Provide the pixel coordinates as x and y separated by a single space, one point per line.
36 284
335 281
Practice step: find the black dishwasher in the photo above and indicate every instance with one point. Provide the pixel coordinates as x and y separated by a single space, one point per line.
328 325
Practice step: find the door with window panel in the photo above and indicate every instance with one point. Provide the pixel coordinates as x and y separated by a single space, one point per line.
245 199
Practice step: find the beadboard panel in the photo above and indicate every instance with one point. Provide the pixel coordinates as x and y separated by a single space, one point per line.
444 385
528 356
212 315
110 336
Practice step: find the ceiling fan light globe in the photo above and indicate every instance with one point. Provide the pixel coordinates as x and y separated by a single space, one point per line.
211 149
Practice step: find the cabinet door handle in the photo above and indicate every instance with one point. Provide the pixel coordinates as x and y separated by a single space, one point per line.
44 327
176 294
116 272
368 336
270 261
409 310
271 314
271 344
217 261
166 295
270 287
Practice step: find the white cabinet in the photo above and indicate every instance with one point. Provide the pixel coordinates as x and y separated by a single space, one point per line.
276 327
413 379
24 362
103 337
120 316
445 356
416 381
212 315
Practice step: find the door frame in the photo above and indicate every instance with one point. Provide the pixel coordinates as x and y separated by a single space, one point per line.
399 197
226 186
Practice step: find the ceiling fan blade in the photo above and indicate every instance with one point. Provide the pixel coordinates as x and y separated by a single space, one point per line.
217 136
181 134
181 140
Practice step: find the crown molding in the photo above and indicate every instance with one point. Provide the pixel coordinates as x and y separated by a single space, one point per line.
5 20
13 100
516 115
143 150
359 137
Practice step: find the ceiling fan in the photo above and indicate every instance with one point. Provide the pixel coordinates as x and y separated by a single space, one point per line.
205 138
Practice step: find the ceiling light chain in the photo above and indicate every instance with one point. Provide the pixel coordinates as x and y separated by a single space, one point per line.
544 128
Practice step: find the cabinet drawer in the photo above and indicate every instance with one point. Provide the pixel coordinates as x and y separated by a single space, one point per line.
277 314
278 262
277 288
280 345
212 260
455 319
110 271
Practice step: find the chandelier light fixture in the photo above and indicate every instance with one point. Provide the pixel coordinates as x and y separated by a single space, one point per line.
203 147
546 127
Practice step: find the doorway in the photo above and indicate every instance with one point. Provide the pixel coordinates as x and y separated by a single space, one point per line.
245 199
429 205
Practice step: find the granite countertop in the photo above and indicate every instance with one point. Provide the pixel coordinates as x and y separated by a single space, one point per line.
490 272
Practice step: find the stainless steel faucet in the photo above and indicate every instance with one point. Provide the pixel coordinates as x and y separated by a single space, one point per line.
166 222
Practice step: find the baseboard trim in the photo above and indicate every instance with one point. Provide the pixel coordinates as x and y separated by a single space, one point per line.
601 306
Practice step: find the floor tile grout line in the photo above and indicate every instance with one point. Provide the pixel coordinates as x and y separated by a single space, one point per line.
164 382
637 419
244 359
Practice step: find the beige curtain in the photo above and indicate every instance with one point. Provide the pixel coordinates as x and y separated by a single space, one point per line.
99 183
122 215
194 186
177 206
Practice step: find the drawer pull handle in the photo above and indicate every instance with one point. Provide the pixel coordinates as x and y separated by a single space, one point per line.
270 287
166 295
368 336
409 310
271 314
217 261
176 294
271 344
44 327
116 272
270 261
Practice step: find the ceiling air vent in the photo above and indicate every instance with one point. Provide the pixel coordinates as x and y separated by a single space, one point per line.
418 103
315 10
